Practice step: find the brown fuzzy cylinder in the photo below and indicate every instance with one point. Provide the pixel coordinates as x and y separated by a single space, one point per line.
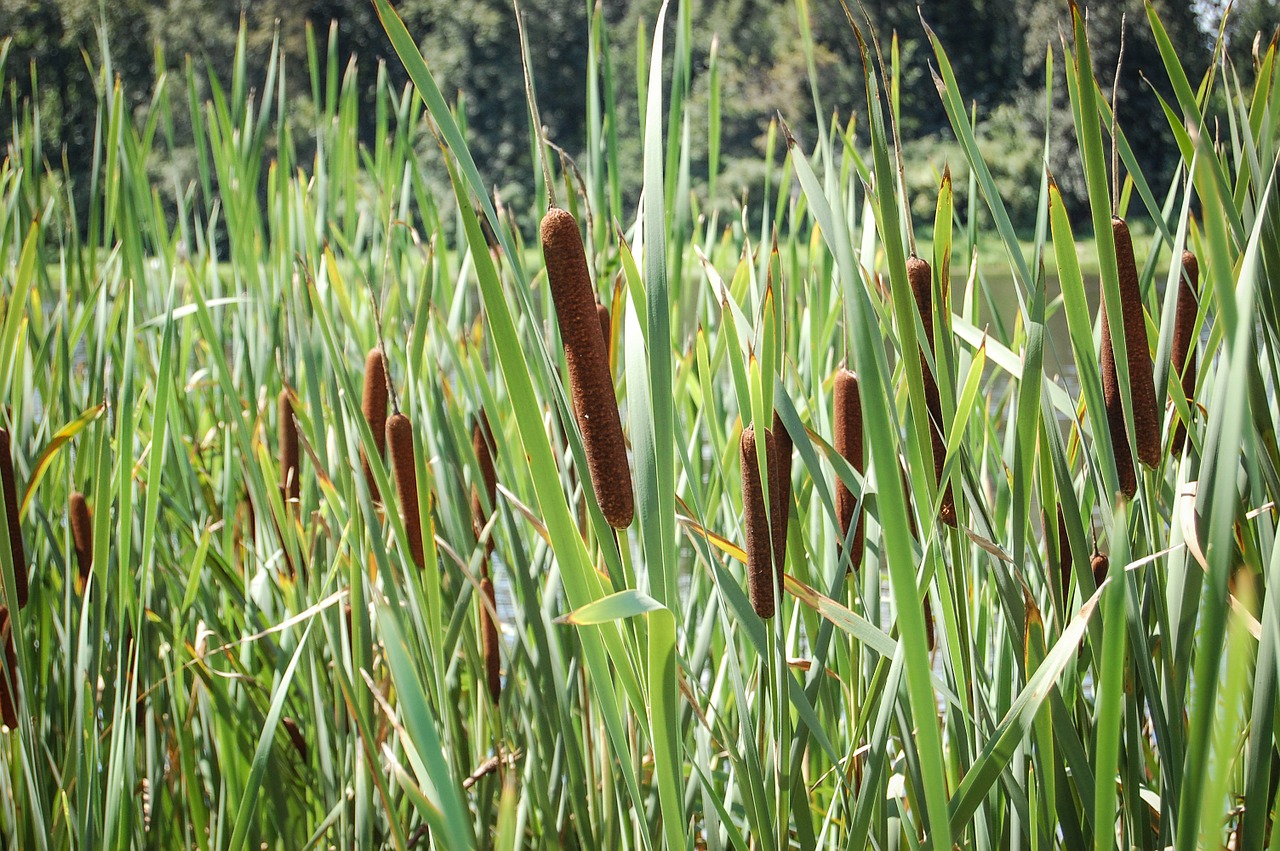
780 495
1115 411
489 640
81 532
606 330
373 403
759 535
1184 347
1146 412
296 737
847 413
288 431
921 279
595 402
483 446
400 438
929 631
18 552
8 677
1100 564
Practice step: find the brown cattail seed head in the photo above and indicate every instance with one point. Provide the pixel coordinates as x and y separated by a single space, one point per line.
374 405
759 535
921 279
81 532
483 446
18 552
847 413
1100 564
288 429
400 437
780 495
606 330
590 382
1184 347
489 639
1115 413
296 737
9 676
1146 412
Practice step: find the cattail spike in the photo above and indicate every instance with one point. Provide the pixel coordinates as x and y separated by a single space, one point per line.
847 413
1146 411
489 639
295 737
590 381
1184 347
921 279
1063 554
374 405
483 446
9 676
1099 564
81 533
606 329
1115 413
759 534
780 496
18 552
288 431
400 438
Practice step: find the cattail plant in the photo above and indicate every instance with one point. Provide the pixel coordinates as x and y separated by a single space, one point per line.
847 413
9 676
81 533
290 485
759 534
606 330
483 446
1146 419
400 437
18 552
489 639
780 496
1099 564
1184 347
921 279
591 383
374 405
295 737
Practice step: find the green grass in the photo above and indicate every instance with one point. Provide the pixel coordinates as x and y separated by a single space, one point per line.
644 704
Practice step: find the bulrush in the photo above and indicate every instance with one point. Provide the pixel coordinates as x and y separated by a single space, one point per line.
489 639
759 535
482 444
780 496
921 279
374 405
1184 346
847 414
590 382
15 528
9 676
1100 564
288 430
295 736
400 436
81 533
606 330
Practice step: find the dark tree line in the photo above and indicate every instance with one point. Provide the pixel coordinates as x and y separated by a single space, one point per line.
997 48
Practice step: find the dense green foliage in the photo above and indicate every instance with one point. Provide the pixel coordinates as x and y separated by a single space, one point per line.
240 667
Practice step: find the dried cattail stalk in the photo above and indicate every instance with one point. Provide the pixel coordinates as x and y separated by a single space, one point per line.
15 528
400 437
1184 347
847 413
8 677
374 405
81 533
921 279
590 382
296 737
489 639
606 329
1100 564
1146 408
288 430
780 496
482 444
759 535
